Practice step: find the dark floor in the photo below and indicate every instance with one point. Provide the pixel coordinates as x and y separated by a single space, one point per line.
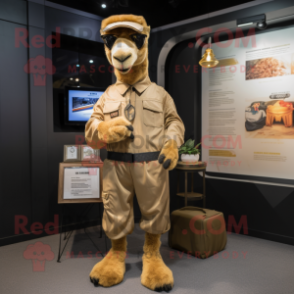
248 265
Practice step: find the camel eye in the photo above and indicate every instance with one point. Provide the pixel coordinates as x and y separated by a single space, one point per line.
139 40
109 40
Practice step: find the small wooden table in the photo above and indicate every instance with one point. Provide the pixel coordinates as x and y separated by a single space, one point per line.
191 168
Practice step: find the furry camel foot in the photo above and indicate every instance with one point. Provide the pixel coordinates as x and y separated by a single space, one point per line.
156 275
111 269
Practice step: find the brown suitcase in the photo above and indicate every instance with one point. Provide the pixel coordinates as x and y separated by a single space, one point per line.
197 231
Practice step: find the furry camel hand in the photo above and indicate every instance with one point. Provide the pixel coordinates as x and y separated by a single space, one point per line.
115 130
169 155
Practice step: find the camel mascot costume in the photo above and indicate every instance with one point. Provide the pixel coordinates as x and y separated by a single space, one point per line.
139 123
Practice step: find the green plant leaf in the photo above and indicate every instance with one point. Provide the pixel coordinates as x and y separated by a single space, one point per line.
191 144
188 147
187 143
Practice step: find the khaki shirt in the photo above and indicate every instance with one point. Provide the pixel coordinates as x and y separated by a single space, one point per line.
156 118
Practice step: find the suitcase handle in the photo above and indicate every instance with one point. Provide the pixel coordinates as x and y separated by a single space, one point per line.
193 208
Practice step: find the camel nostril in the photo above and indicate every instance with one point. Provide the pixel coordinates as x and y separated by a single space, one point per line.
122 58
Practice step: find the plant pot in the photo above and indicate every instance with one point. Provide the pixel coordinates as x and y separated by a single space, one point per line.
190 157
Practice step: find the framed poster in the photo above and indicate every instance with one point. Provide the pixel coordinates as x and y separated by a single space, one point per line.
247 107
80 182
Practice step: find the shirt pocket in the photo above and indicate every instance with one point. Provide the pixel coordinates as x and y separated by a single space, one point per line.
111 110
153 113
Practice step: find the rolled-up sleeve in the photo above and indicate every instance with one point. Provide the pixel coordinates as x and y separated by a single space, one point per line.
174 127
91 128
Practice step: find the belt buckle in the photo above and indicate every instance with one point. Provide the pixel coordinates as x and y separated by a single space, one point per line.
132 158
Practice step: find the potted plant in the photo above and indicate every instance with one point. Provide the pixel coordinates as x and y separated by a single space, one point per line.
189 152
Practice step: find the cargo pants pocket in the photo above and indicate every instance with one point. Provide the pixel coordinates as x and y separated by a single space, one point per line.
105 199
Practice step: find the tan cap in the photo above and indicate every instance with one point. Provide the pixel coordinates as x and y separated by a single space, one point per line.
124 24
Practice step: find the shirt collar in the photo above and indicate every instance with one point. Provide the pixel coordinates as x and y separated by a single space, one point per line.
140 86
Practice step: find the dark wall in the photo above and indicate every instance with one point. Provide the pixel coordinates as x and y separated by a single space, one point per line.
31 149
15 128
88 30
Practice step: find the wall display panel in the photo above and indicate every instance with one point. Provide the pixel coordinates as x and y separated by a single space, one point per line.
80 62
247 106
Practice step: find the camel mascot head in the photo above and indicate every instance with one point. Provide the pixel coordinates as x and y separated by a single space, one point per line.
126 46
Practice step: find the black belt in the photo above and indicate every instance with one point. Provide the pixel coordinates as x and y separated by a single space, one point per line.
130 157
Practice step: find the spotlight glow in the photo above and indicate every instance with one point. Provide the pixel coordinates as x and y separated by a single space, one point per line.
91 61
103 5
260 24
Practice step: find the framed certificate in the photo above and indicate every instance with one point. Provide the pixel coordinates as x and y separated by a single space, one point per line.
71 153
89 154
80 182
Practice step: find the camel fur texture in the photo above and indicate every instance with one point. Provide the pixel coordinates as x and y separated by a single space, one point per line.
110 271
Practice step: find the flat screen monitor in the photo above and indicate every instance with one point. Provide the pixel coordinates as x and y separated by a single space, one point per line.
79 103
